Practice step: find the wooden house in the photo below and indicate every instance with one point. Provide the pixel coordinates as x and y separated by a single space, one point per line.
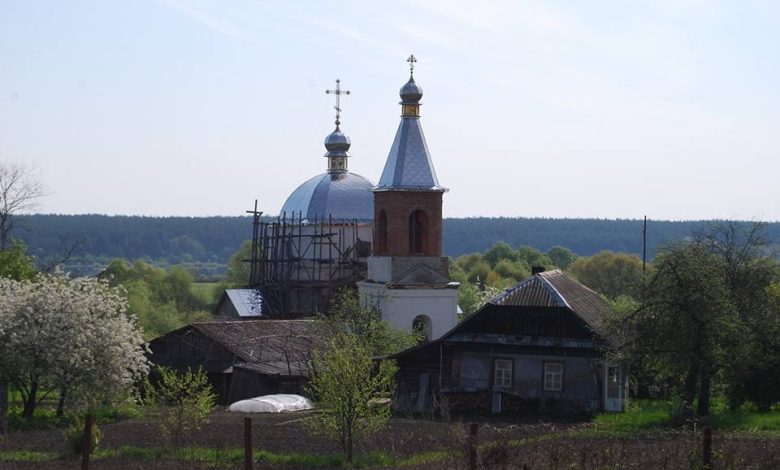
244 358
532 348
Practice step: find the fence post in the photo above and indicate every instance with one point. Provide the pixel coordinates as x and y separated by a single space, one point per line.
472 443
3 407
247 443
86 449
706 450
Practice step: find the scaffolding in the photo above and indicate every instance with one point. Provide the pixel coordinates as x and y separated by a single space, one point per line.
298 263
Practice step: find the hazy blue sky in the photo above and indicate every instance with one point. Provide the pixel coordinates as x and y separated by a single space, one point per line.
611 109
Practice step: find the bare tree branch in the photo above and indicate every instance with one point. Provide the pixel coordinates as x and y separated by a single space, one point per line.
20 189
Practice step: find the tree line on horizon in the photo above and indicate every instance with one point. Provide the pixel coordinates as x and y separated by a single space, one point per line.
206 243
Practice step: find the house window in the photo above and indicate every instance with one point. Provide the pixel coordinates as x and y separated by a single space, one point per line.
502 373
553 376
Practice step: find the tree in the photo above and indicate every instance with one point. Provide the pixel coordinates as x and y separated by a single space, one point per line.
611 274
20 188
500 251
562 257
161 300
685 324
348 313
752 275
709 317
184 400
72 335
16 264
350 385
238 266
347 380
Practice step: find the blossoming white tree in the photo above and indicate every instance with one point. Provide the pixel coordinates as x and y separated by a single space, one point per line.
72 335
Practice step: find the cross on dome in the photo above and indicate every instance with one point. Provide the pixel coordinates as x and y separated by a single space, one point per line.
411 61
338 92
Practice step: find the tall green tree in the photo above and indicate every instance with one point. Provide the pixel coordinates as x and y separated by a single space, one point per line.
708 317
162 300
685 325
350 387
610 274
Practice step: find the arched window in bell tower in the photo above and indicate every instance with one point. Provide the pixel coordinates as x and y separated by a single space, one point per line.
381 234
418 232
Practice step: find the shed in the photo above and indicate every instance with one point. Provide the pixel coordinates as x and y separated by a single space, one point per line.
244 358
534 347
244 304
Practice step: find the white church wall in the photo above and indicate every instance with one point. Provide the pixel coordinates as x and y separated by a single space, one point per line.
399 307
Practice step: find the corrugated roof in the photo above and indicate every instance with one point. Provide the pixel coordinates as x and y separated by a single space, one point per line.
556 289
271 347
247 302
409 164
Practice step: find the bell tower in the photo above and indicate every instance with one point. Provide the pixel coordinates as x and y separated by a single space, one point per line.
408 278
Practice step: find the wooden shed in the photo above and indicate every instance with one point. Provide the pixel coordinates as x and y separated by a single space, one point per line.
244 358
534 347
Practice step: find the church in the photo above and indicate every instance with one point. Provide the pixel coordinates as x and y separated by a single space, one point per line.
339 229
533 348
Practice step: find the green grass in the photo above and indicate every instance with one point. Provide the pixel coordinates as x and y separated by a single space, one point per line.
648 416
745 419
640 417
26 456
231 456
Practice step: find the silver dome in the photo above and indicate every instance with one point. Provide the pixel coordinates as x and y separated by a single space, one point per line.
411 92
337 144
340 195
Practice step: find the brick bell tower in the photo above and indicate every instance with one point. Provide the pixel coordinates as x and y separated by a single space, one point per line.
408 278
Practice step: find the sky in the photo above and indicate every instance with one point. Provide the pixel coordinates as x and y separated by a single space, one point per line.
608 109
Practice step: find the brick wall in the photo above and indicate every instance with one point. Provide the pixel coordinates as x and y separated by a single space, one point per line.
398 206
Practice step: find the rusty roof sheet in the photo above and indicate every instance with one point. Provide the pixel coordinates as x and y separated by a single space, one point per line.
274 347
556 289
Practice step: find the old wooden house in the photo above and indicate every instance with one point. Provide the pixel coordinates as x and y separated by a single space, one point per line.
532 348
244 358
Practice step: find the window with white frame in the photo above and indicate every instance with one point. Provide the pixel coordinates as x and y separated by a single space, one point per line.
502 373
553 376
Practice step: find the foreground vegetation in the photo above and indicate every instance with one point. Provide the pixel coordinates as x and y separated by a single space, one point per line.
646 436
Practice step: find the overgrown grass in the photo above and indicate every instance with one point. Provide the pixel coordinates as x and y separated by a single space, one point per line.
640 417
647 416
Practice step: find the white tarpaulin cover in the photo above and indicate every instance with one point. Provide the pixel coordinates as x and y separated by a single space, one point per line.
272 404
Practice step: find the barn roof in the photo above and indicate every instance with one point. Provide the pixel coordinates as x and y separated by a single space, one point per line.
271 347
555 289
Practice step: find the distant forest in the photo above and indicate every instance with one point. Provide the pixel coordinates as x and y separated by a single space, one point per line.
206 243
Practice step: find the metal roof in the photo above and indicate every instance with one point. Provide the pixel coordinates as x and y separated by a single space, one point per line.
247 302
340 195
409 165
271 347
556 289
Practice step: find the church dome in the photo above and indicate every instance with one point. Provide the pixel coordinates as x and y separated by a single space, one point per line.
337 144
340 195
411 92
